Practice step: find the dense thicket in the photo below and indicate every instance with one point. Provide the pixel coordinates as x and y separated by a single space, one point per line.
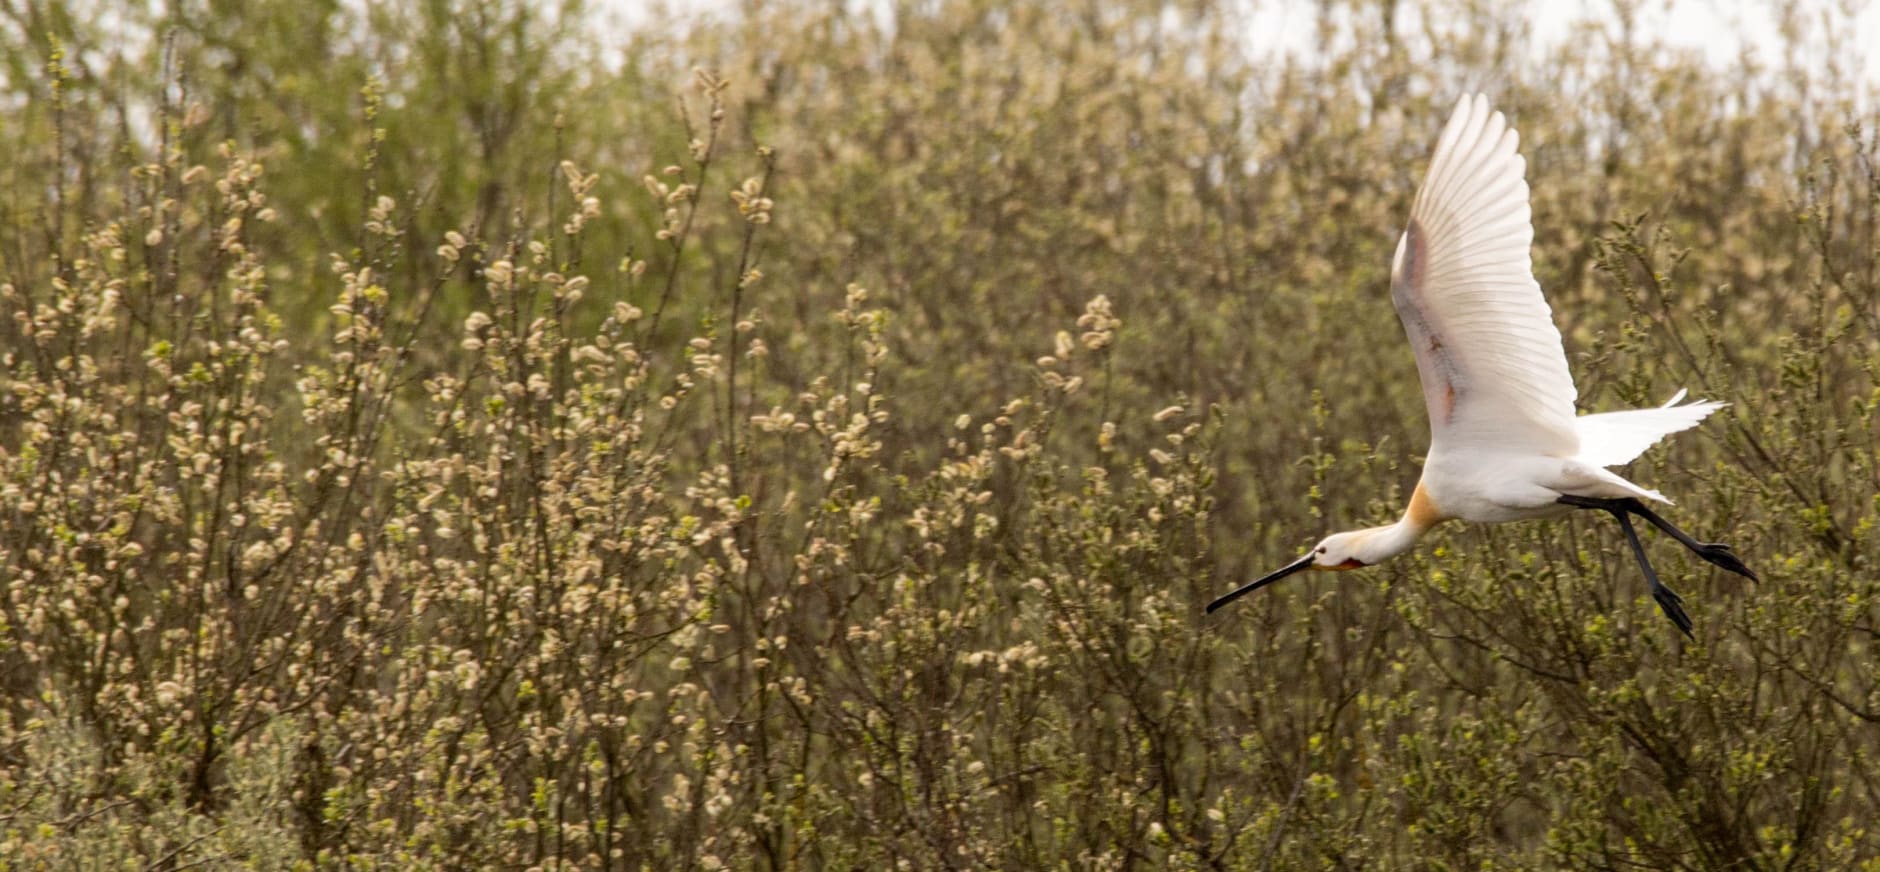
454 435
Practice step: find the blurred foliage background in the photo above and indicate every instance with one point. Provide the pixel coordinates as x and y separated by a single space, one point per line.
451 435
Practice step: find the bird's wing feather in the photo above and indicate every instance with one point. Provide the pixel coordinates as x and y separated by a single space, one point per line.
1490 358
1612 438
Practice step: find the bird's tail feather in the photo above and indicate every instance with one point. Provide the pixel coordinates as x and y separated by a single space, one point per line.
1612 438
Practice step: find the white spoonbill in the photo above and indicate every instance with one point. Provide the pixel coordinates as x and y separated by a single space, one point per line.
1505 444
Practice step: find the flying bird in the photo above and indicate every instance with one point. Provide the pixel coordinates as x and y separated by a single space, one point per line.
1505 444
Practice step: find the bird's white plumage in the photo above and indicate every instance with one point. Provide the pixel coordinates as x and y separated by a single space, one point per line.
1612 438
1504 441
1490 358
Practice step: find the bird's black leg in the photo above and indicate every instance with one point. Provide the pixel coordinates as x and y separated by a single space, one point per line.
1715 553
1668 599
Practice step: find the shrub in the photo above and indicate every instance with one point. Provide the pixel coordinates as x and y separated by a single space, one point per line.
820 459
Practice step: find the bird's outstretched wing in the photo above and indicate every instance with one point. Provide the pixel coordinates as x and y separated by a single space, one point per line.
1490 358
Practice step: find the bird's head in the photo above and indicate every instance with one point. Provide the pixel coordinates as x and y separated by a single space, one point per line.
1340 551
1353 549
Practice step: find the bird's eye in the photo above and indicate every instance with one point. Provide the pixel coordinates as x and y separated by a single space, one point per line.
1321 549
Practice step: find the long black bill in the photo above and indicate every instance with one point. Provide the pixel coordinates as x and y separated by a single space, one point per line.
1290 568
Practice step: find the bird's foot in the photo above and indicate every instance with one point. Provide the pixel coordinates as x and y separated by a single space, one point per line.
1720 555
1673 607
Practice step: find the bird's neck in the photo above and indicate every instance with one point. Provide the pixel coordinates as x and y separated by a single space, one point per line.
1391 540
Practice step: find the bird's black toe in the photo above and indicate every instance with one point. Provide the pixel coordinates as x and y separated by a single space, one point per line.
1720 555
1673 607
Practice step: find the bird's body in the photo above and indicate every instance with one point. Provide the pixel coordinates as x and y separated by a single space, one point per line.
1505 442
1490 484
